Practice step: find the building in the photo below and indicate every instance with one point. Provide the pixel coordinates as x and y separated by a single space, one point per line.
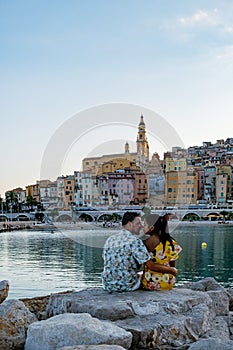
112 162
223 183
33 192
95 164
48 194
60 192
181 187
210 184
141 188
142 146
117 164
69 185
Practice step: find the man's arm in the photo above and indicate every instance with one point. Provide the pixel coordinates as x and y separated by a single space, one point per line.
160 268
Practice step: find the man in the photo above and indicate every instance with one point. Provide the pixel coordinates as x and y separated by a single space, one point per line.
123 254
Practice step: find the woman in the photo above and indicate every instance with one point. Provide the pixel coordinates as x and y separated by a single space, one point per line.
164 251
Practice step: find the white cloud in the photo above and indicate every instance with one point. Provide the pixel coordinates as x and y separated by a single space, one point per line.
229 29
200 17
226 54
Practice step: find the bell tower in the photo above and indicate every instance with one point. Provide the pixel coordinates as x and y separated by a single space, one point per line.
126 148
142 146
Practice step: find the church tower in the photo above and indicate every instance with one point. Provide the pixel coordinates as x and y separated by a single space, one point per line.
126 148
142 146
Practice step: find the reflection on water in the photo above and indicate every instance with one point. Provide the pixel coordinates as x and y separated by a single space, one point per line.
39 263
216 260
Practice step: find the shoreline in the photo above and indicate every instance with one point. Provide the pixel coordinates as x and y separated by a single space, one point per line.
16 226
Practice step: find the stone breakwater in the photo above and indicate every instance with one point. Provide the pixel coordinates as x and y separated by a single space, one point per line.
197 316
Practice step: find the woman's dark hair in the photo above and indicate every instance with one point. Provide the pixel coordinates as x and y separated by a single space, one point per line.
129 216
160 228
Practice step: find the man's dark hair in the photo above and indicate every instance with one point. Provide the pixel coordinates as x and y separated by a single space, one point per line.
129 216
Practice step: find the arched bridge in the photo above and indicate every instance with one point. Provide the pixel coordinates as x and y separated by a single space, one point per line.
101 215
180 214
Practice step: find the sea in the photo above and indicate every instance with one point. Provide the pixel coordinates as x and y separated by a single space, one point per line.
41 262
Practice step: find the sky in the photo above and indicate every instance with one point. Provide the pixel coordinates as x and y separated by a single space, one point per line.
61 58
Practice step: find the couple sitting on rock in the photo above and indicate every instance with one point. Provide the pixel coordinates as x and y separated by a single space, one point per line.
124 254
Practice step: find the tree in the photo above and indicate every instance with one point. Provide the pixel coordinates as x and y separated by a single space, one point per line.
11 200
224 213
31 202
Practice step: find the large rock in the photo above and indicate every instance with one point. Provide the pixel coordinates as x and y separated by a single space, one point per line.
14 321
94 301
74 329
4 288
229 292
37 305
205 285
165 319
212 344
231 324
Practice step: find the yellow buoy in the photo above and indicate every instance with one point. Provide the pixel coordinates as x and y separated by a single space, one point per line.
204 245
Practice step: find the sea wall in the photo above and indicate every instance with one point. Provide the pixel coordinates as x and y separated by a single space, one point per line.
196 316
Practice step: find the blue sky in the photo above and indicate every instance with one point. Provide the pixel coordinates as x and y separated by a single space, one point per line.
61 57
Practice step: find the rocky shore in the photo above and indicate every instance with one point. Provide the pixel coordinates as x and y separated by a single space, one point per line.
196 316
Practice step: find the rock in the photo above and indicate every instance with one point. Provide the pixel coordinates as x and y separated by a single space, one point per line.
220 302
168 330
229 292
14 321
161 318
212 344
94 301
93 347
231 324
4 288
175 319
74 329
38 305
204 285
219 330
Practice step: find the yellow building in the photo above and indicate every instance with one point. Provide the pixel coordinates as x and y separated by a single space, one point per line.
223 183
181 187
95 164
117 164
33 191
176 164
69 184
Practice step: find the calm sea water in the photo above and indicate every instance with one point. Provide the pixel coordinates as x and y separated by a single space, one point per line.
38 262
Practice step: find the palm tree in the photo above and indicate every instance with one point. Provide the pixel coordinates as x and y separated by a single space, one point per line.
31 202
1 204
11 199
